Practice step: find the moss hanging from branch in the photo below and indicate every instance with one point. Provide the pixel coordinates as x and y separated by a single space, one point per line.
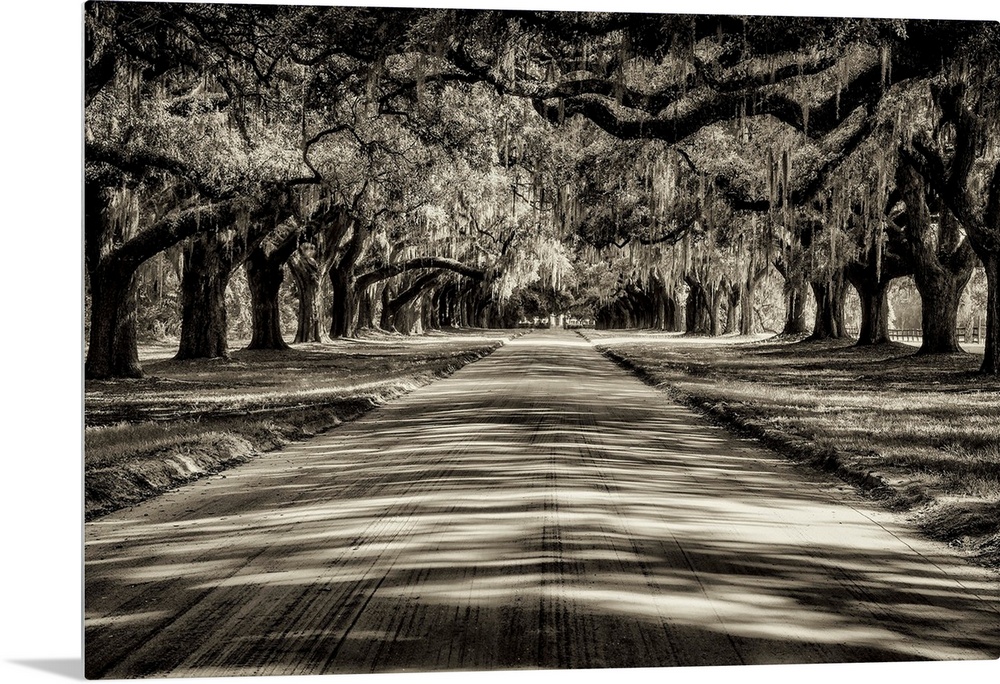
886 57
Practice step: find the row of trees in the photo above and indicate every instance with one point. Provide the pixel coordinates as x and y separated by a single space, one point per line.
409 169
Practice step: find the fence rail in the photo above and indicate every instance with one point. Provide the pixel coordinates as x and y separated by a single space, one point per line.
970 335
905 334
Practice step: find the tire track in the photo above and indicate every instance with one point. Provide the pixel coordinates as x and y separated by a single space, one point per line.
539 508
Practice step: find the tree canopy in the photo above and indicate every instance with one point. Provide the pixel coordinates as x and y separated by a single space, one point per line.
412 168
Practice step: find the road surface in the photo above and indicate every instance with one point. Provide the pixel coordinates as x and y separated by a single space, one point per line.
541 508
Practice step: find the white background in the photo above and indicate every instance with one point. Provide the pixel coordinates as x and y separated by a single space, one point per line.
41 447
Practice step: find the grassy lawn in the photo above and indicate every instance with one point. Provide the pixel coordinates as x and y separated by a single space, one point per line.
186 419
922 434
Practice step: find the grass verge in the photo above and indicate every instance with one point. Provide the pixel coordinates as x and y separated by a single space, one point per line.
188 419
921 434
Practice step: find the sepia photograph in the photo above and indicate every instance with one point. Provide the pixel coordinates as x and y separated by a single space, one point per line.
535 339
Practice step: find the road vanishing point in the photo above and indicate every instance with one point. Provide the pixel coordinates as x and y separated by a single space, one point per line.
540 508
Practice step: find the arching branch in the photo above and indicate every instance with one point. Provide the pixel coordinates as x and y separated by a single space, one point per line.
414 291
390 270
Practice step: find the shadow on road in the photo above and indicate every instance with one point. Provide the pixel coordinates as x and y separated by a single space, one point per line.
538 509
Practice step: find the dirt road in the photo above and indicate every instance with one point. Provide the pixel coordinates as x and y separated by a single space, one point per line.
539 509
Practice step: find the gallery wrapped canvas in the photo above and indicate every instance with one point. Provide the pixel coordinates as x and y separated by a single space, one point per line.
449 339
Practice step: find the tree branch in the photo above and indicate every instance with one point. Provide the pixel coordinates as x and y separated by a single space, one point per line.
365 279
139 163
414 291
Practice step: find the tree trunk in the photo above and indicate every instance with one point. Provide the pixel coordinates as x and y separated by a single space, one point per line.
748 289
172 227
265 273
746 308
459 309
943 261
628 316
432 312
829 294
366 311
680 314
940 296
953 181
446 307
386 314
699 318
485 313
112 351
429 309
409 320
264 277
671 315
344 307
733 299
415 316
396 314
991 354
660 310
207 268
716 296
795 307
871 275
874 295
308 276
658 303
346 285
310 264
471 306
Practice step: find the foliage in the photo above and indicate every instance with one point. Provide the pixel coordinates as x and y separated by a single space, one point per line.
592 156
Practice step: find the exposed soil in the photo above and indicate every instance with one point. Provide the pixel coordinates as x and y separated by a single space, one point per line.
918 433
189 419
540 508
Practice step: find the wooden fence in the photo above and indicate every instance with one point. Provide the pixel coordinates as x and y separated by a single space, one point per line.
971 334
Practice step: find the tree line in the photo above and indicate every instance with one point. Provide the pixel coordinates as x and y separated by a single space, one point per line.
418 168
